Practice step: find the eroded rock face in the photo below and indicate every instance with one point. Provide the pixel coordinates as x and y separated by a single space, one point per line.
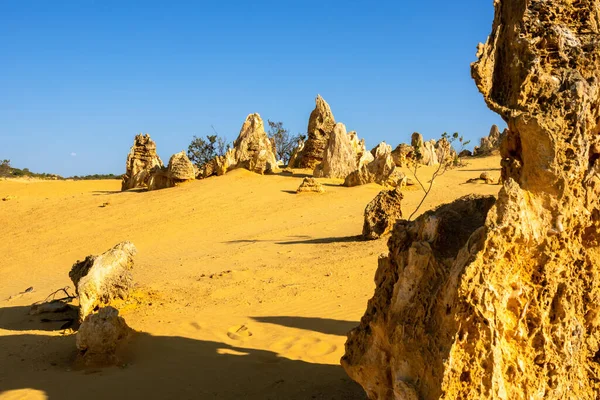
99 280
294 158
339 158
402 155
399 349
444 151
253 149
424 152
179 170
141 160
490 144
310 185
363 156
382 213
381 170
320 126
100 336
503 304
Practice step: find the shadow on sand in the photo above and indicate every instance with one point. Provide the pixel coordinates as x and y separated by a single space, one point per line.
323 325
110 192
161 367
339 239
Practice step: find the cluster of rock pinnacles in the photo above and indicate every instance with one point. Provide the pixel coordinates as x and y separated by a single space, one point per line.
329 150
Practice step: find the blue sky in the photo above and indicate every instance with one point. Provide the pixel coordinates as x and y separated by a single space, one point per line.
78 79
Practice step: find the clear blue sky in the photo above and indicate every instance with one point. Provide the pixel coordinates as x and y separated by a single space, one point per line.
83 77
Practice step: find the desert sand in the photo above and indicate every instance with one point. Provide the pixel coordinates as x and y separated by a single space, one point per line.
245 289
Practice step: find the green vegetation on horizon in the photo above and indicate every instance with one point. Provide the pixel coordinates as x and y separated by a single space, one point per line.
8 171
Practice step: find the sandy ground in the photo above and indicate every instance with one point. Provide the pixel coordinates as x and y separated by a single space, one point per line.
245 289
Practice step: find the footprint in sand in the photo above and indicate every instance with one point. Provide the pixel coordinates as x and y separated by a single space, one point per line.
239 332
309 346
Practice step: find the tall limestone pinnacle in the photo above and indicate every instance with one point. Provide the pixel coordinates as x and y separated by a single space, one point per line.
320 127
484 299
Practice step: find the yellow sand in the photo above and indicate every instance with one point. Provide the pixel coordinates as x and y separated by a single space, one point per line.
245 289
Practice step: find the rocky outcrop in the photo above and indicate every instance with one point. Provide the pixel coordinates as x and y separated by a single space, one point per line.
416 140
363 156
465 153
310 185
445 153
100 336
484 177
340 158
179 170
141 160
296 153
253 149
424 152
400 349
490 144
99 280
402 155
381 170
320 126
482 301
382 213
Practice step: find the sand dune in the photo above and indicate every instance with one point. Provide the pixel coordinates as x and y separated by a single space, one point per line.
244 289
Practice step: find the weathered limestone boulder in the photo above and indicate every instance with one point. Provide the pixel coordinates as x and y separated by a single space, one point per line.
100 336
310 185
402 154
382 213
444 151
363 156
339 158
491 144
484 177
296 154
99 280
253 149
424 152
482 301
179 170
219 165
416 140
429 155
381 170
141 159
320 126
465 153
